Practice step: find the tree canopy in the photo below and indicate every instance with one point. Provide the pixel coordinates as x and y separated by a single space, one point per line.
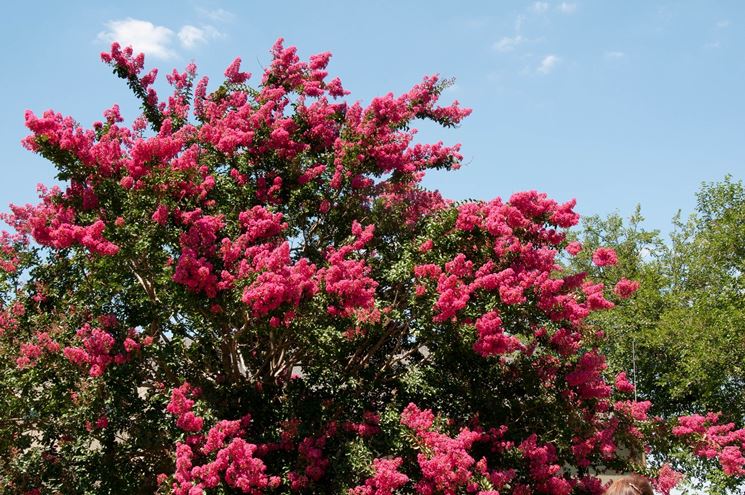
247 290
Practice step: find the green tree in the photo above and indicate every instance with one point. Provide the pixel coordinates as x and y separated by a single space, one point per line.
684 331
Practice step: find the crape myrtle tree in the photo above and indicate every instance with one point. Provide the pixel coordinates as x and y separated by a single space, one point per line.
247 291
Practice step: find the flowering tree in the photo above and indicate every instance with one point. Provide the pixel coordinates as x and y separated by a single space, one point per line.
248 291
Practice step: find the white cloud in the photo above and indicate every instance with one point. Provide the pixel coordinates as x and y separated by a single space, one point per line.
191 36
540 7
567 8
508 44
723 23
218 15
614 55
156 41
143 36
548 64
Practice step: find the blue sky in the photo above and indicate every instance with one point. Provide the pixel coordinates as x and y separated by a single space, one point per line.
612 103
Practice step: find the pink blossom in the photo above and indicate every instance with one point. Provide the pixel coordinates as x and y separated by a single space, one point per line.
667 479
634 409
385 480
625 288
587 377
426 246
604 257
574 248
417 419
160 216
491 339
732 461
124 59
623 385
447 464
181 406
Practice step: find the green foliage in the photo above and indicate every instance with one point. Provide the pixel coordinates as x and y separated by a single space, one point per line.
684 330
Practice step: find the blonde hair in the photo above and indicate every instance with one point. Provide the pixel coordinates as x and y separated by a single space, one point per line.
632 484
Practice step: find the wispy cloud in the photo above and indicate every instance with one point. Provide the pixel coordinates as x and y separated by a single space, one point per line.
548 64
156 41
567 7
507 44
614 55
191 36
217 15
716 42
143 36
519 20
540 7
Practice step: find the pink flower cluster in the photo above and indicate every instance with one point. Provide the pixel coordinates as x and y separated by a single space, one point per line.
623 384
124 58
32 351
310 450
233 73
198 245
385 480
378 137
276 281
181 406
54 225
517 261
54 129
223 455
288 72
226 456
445 463
369 427
234 463
129 66
574 248
625 288
667 479
348 280
543 468
96 350
711 439
447 466
256 255
604 257
148 156
587 377
492 340
9 259
9 317
636 410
